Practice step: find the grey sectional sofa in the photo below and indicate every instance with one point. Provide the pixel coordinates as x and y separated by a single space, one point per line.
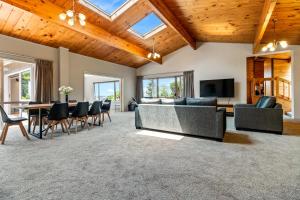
198 117
266 116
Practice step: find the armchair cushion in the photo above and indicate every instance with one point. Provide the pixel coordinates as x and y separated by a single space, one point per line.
150 101
266 102
180 101
202 101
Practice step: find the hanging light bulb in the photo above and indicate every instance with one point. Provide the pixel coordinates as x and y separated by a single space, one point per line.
149 55
81 16
153 55
272 46
71 22
82 22
283 44
70 13
264 49
272 49
62 16
71 16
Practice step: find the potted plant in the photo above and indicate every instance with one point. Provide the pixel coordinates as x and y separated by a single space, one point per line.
65 90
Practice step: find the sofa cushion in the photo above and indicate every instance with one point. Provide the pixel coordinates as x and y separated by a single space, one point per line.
150 101
180 101
211 101
266 102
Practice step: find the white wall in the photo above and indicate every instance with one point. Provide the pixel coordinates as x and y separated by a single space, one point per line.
222 60
27 51
70 67
209 61
79 65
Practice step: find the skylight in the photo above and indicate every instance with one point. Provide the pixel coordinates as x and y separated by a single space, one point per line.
108 8
148 26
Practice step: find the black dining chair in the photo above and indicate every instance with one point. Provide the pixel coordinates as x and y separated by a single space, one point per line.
80 114
58 114
33 115
11 122
95 112
105 109
71 109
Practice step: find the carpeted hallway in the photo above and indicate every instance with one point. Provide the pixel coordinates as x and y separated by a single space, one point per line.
116 163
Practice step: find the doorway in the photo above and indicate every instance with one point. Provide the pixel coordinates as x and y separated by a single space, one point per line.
101 88
18 84
270 75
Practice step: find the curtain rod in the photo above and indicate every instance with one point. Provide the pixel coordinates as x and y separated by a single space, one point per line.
167 73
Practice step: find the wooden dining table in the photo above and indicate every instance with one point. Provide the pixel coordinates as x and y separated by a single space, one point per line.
39 107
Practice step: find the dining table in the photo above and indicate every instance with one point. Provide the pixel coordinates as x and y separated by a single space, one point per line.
39 107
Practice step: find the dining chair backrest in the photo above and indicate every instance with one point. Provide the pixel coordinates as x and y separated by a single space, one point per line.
95 108
4 116
81 109
106 105
58 111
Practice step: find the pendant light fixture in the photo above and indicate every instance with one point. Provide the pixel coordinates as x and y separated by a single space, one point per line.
153 55
272 46
71 16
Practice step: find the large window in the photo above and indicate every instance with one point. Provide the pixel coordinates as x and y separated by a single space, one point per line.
25 85
166 87
107 90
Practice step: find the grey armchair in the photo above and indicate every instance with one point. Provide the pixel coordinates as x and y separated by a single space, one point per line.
265 116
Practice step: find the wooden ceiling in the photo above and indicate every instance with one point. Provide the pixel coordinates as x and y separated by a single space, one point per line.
205 20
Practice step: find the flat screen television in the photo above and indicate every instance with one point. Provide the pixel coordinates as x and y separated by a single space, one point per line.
217 88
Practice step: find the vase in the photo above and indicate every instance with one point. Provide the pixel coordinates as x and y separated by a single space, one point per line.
67 98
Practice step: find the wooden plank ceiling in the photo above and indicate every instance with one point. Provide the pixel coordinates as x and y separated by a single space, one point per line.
206 20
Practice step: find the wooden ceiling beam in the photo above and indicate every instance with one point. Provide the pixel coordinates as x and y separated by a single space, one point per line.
265 17
166 14
49 11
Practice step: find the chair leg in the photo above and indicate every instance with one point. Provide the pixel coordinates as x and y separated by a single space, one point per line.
24 132
66 126
108 116
53 128
62 127
48 127
100 120
86 123
4 133
71 123
76 120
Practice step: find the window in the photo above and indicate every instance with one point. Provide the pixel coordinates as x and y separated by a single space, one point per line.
25 85
148 26
150 88
110 9
107 90
165 87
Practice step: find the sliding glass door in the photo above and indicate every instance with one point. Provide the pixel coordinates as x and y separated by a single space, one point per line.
108 90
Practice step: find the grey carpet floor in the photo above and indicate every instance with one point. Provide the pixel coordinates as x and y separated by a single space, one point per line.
116 163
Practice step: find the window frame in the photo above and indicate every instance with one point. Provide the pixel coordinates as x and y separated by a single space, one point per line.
157 86
151 32
115 92
114 15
